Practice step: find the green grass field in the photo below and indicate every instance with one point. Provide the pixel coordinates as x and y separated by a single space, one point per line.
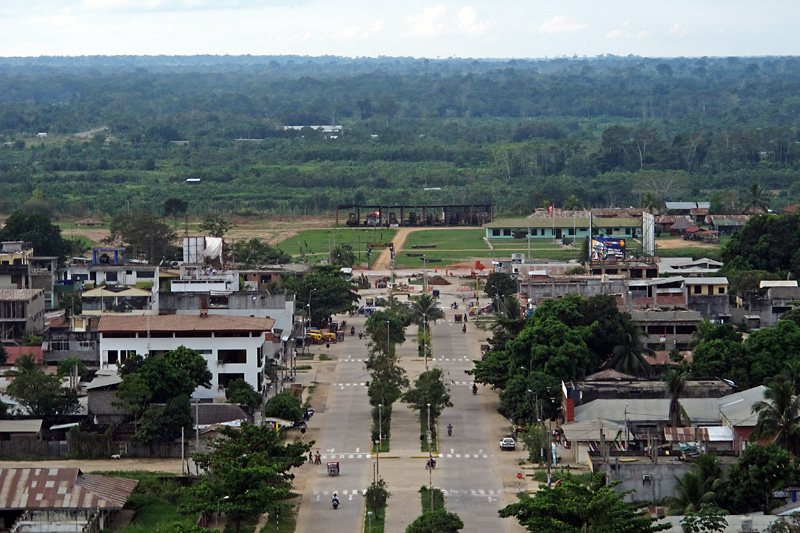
316 244
448 239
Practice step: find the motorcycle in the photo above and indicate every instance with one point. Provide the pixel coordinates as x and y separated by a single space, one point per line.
335 503
352 331
474 389
430 464
449 430
464 329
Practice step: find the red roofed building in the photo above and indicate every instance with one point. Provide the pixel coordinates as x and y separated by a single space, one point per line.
233 346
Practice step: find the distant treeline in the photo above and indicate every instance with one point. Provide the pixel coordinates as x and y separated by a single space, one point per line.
519 133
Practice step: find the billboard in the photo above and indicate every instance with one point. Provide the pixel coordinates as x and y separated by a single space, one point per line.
648 233
606 247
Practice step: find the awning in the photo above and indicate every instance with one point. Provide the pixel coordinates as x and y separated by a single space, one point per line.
64 426
702 434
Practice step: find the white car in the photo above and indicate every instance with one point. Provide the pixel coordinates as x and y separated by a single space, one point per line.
507 444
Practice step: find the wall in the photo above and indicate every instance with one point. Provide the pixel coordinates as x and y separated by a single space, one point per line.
662 477
208 348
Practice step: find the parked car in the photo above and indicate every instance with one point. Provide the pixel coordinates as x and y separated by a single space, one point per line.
508 444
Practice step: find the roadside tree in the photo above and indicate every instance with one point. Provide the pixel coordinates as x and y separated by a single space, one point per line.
248 474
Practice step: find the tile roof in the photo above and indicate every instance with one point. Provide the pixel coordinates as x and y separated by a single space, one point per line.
61 488
183 323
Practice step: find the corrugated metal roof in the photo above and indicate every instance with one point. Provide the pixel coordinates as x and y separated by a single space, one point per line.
19 295
31 425
589 430
61 488
174 323
706 281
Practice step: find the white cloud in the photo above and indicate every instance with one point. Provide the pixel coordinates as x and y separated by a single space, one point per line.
620 33
467 21
428 23
352 33
434 22
560 24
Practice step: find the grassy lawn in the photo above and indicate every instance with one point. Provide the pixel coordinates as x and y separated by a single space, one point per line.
384 445
155 501
455 239
318 242
376 523
283 523
446 258
425 499
423 430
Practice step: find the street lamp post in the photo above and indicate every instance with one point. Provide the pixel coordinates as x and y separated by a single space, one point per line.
380 425
377 461
430 457
369 514
218 506
388 341
627 435
425 340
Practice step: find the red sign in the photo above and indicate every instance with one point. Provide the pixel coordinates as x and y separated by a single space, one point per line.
519 475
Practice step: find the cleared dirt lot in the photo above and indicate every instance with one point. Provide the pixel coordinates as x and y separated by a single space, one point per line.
172 466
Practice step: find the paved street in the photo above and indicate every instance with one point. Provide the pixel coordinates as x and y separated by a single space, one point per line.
477 478
343 416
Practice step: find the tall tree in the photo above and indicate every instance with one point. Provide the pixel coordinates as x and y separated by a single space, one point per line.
756 200
39 393
779 416
628 356
175 207
325 291
425 309
500 285
35 227
570 507
248 474
429 388
216 226
676 382
145 235
193 363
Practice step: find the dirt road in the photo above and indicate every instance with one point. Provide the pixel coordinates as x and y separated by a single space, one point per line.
384 259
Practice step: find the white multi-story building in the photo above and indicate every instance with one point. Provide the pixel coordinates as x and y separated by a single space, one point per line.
233 346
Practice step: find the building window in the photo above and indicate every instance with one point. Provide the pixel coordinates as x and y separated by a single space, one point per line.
232 356
59 345
111 276
506 233
495 233
721 290
698 289
571 231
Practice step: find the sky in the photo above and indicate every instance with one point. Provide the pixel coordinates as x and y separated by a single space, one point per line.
411 28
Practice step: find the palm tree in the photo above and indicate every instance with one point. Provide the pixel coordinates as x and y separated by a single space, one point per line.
698 486
779 415
572 203
426 309
651 202
756 199
676 382
792 373
628 355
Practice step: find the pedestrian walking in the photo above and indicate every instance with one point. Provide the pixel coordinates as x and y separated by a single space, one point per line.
311 457
318 460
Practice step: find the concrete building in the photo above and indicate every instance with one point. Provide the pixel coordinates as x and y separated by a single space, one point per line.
21 312
557 224
233 347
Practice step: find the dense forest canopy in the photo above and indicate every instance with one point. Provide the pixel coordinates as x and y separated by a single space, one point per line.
515 132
